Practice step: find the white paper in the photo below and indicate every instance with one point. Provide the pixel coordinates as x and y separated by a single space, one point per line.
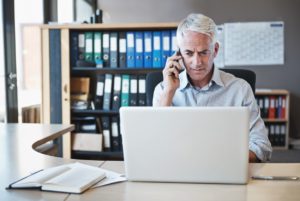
148 47
111 177
166 43
89 45
105 40
139 45
117 83
156 43
122 45
142 86
219 60
254 43
114 129
113 44
130 40
133 86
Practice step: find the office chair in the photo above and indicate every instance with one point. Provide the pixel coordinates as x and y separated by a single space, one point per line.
154 78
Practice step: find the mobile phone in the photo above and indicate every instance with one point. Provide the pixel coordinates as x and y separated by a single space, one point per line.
180 61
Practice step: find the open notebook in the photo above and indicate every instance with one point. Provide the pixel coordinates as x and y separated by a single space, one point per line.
69 178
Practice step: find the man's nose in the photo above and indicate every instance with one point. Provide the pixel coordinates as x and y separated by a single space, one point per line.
196 59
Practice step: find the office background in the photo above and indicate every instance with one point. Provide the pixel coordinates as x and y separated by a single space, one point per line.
275 77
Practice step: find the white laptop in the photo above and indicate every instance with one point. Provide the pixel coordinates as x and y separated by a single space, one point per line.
186 144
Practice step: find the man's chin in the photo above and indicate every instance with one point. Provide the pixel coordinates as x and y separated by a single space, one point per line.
197 73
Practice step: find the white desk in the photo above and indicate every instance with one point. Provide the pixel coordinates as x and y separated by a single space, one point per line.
17 158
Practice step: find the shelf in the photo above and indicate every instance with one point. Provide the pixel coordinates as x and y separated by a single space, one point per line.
94 112
266 92
93 70
275 120
114 26
98 155
280 147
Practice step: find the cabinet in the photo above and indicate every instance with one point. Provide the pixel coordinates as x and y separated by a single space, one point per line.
62 48
274 106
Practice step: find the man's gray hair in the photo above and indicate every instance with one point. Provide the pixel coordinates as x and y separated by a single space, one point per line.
198 23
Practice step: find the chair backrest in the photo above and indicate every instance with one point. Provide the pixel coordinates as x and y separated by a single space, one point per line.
154 78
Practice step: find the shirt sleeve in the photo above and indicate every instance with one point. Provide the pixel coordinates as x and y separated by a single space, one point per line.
157 94
258 140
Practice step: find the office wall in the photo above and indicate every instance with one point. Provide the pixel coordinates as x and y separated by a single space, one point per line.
286 76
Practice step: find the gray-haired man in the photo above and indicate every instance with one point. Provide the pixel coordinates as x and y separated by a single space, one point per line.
202 84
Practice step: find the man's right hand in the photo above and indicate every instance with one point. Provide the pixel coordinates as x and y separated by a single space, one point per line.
171 79
171 73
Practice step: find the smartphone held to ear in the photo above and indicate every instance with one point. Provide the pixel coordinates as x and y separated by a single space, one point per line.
180 61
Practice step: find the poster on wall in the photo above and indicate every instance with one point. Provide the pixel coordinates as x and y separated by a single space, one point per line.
254 43
219 60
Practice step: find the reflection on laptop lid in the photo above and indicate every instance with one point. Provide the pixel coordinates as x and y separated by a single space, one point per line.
186 144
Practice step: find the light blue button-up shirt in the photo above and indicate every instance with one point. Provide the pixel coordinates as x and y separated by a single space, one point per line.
224 89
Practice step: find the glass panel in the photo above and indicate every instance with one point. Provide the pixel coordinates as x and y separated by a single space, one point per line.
28 15
2 81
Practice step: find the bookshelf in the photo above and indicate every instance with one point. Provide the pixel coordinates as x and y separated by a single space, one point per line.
59 67
274 105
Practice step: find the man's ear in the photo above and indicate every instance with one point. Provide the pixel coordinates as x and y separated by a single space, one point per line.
216 49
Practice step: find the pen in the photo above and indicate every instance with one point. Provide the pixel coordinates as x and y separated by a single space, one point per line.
289 178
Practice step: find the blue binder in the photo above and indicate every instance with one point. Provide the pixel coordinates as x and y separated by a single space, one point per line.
139 49
166 46
130 48
148 49
157 50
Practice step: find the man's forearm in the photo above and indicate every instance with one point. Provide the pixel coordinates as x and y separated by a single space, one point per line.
166 98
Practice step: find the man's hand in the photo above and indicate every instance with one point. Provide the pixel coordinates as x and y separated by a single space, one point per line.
171 73
170 79
253 158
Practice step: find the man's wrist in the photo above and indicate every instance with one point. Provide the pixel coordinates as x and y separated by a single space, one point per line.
253 158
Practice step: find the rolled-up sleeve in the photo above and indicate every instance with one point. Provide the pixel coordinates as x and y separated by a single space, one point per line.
157 94
258 138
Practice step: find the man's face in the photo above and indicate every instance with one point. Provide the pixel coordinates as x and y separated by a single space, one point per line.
198 54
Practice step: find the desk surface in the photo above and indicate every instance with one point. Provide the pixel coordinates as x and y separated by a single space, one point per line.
18 159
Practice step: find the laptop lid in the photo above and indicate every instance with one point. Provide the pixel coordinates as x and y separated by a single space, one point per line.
186 144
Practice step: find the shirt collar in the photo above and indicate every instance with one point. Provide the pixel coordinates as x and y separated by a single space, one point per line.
216 78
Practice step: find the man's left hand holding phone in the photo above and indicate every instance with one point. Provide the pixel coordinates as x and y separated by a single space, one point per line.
171 82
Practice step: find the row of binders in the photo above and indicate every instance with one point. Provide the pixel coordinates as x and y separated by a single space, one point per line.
97 133
110 93
276 133
128 49
272 107
114 91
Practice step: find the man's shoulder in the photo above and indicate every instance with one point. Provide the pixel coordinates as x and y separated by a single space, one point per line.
231 82
229 78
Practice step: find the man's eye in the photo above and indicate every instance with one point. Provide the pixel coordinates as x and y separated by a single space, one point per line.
204 53
189 53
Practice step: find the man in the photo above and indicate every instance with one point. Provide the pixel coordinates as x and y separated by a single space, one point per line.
202 84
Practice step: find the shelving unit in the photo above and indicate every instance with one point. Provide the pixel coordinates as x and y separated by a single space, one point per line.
58 70
57 57
274 104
